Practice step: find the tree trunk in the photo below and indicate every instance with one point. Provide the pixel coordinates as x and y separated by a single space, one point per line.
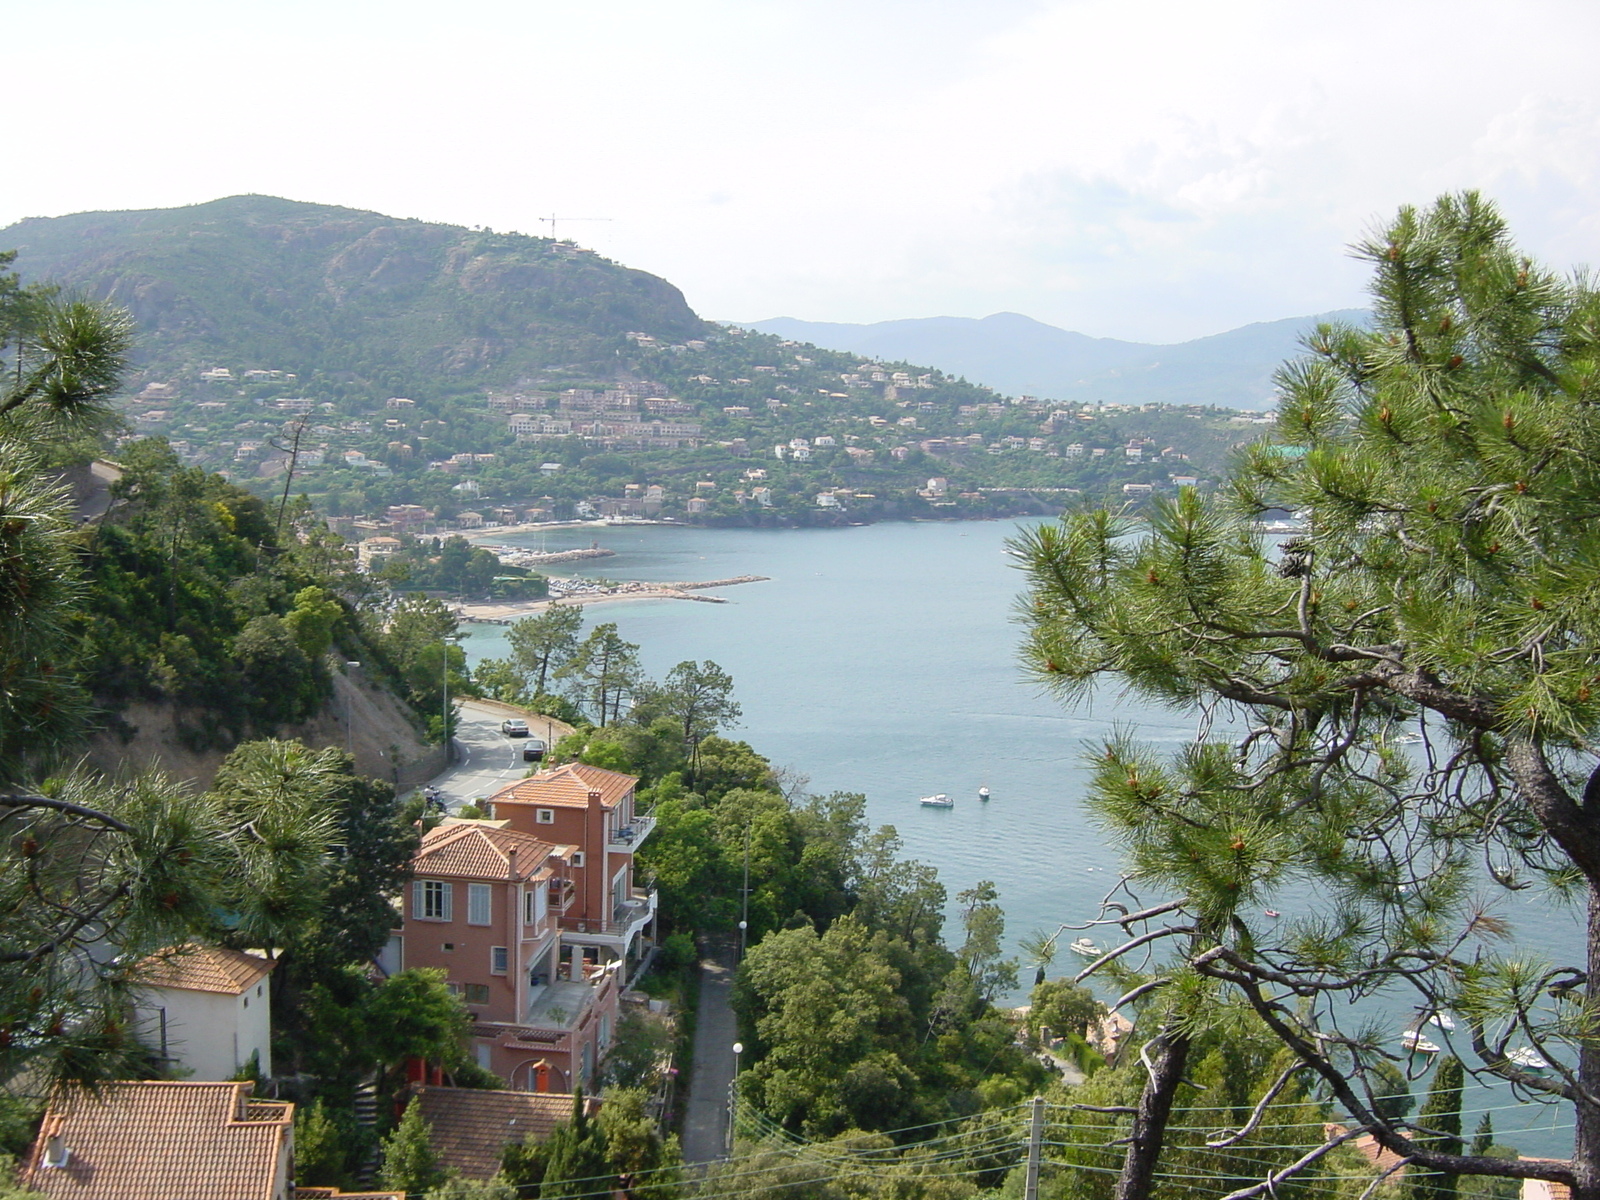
1168 1055
1586 1135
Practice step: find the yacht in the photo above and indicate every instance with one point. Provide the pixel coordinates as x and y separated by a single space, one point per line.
983 792
938 800
1413 1041
1528 1059
1086 947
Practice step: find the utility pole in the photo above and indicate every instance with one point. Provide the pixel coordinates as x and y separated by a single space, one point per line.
744 903
1030 1184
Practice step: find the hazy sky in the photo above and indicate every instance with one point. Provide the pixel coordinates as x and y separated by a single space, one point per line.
1152 169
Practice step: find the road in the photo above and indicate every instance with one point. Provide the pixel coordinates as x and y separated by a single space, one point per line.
487 760
705 1120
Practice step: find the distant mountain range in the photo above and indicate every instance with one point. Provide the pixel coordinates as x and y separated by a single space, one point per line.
1019 355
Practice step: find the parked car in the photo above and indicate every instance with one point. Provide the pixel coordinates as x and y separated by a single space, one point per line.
533 750
514 727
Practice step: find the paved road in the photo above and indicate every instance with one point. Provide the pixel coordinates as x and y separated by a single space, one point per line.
487 760
705 1120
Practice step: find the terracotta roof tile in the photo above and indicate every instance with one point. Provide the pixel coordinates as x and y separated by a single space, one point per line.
469 1128
175 1141
473 850
204 969
568 786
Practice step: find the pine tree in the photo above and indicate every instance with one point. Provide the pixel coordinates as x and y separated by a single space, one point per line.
1444 463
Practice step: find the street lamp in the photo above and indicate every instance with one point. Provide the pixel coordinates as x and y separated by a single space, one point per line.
733 1094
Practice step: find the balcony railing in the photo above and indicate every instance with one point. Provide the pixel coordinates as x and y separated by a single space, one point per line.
629 836
625 919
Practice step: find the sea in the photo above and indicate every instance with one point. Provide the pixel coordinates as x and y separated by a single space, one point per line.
883 659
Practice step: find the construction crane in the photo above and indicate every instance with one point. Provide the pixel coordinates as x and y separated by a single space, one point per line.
552 219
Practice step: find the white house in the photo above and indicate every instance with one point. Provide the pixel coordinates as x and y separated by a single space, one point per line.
205 1009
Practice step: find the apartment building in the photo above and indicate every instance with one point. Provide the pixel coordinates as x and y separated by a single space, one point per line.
486 906
591 808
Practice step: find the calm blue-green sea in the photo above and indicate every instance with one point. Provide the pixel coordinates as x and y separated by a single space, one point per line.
883 659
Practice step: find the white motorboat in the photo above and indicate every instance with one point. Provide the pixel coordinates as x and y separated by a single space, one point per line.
939 800
1444 1021
983 792
1413 1041
1086 947
1528 1059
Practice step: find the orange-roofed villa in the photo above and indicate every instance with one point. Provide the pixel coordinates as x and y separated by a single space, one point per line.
205 1010
593 809
485 907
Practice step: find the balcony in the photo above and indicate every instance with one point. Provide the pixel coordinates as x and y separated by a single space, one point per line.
626 920
625 839
562 893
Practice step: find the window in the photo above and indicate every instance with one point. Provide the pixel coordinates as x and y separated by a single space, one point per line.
477 904
497 960
475 993
447 946
577 859
430 900
544 816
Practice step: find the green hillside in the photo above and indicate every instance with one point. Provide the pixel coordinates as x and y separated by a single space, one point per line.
349 299
391 362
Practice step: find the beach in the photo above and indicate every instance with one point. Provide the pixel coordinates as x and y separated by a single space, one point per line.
586 593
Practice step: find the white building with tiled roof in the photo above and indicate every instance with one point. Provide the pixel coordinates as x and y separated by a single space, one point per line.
206 1010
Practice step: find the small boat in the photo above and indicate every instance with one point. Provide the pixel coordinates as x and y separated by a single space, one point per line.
1271 912
939 800
1413 1041
1443 1020
983 792
1086 947
1528 1059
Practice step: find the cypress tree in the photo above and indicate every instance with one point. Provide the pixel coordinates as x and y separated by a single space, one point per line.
409 1162
1440 1118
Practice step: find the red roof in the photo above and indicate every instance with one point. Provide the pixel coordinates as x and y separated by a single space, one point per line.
480 850
175 1141
204 969
568 786
469 1127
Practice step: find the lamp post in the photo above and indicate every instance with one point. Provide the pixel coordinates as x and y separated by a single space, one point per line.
744 898
733 1095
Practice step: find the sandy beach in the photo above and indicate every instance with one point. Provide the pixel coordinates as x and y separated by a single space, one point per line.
504 612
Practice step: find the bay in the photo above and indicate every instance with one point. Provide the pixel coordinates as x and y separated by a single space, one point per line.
883 659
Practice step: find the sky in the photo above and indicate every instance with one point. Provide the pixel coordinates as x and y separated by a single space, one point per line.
1147 169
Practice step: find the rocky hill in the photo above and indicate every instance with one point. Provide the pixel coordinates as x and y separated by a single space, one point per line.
352 301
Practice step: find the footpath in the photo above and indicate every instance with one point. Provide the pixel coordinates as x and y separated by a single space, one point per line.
705 1120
